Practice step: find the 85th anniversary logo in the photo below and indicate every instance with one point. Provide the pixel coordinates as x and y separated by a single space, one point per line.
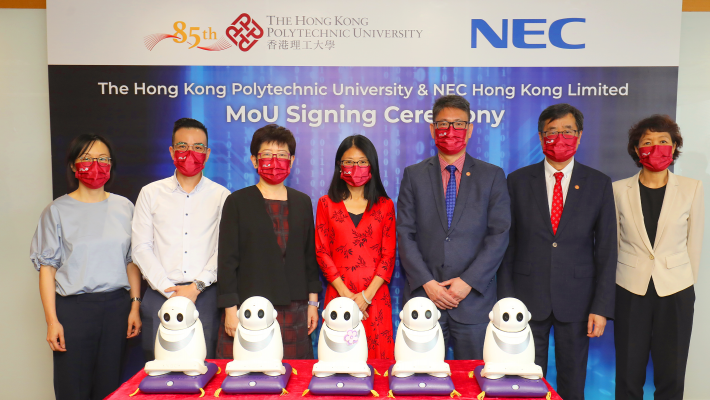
243 33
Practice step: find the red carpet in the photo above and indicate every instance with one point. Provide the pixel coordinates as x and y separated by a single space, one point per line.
467 387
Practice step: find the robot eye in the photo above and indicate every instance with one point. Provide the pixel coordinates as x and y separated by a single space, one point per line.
333 315
415 314
260 314
519 317
166 317
427 314
179 317
247 314
346 316
506 317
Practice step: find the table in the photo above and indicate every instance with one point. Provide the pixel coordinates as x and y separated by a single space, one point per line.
467 387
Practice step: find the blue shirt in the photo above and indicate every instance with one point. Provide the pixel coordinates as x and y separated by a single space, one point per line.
88 243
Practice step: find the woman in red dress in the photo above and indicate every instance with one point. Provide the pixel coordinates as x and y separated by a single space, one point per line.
356 240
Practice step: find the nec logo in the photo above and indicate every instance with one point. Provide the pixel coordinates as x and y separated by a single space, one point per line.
520 31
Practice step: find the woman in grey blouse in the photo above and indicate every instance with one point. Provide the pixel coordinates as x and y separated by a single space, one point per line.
82 250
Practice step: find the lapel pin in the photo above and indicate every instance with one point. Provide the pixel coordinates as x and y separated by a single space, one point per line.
576 186
468 174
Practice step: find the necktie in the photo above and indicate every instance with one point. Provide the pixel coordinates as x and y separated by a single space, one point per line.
451 193
557 205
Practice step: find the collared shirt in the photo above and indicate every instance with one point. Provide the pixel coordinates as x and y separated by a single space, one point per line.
445 175
550 181
175 233
88 243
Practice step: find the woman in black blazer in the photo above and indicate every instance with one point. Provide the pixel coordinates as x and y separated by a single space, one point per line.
267 248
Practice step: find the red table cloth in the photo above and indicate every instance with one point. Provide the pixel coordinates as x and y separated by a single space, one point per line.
467 387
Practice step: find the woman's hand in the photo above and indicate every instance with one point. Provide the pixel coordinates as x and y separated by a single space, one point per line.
134 322
55 336
341 288
345 292
361 304
312 318
231 320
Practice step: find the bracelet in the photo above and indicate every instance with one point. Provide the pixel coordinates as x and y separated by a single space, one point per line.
138 299
366 300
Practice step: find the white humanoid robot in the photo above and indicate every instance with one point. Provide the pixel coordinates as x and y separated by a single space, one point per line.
419 346
257 343
342 344
509 348
180 343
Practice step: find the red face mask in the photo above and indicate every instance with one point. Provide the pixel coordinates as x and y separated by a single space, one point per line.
355 175
92 174
559 149
450 141
189 163
656 158
274 170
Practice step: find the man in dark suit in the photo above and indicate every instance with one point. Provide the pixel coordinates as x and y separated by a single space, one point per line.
453 216
561 260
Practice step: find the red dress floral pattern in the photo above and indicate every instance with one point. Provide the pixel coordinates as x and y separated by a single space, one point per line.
357 255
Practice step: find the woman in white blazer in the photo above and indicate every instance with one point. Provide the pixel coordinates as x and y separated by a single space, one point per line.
660 220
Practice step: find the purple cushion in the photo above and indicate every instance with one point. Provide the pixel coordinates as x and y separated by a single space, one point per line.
505 386
342 384
420 385
257 382
177 382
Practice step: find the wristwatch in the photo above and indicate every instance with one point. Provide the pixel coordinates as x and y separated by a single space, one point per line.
138 299
200 286
313 303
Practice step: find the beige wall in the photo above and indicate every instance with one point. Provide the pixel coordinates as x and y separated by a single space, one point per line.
25 189
26 367
694 119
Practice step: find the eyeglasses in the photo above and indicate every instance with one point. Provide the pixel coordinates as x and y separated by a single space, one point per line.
350 163
102 159
446 124
553 134
197 147
269 154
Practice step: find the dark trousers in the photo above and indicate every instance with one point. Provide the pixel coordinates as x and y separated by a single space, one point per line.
571 353
95 326
209 316
659 325
466 339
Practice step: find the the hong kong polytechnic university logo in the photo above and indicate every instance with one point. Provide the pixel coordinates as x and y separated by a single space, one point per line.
243 33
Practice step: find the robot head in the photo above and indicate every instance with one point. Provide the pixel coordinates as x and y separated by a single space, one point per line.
178 313
256 313
510 315
342 314
420 314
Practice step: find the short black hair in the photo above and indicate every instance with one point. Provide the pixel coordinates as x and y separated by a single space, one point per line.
374 190
80 145
451 101
654 123
272 133
557 111
189 123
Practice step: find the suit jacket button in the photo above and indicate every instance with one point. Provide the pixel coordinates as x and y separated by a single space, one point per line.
448 239
651 257
554 244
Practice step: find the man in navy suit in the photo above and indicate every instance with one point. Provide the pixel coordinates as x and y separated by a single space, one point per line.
561 260
453 216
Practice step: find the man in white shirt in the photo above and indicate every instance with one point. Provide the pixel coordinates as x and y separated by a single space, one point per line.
175 234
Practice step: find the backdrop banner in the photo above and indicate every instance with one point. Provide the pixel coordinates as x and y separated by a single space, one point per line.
327 70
